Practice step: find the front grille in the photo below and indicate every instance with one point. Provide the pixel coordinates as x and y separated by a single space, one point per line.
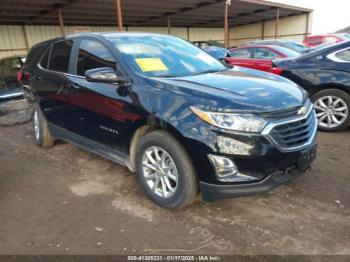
294 134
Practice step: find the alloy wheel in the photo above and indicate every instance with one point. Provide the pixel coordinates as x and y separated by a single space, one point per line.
159 171
331 111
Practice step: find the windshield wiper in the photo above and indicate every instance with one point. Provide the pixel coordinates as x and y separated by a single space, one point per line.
168 75
210 71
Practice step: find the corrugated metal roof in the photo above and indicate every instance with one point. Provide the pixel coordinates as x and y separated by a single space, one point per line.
191 13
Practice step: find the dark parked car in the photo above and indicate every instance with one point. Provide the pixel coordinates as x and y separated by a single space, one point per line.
219 53
293 45
325 74
9 85
206 44
169 111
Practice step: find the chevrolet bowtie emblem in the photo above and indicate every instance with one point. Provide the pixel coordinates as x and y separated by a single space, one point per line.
302 111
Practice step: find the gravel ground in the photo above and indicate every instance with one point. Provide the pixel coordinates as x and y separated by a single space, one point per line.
64 200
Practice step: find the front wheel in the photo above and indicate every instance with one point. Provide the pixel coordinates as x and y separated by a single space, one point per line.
332 109
165 170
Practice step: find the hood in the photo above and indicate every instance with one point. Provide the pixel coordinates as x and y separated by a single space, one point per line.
235 90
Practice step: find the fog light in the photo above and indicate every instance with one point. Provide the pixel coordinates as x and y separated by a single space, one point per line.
227 171
231 146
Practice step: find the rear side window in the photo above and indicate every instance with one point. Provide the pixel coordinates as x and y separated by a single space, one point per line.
241 53
264 53
60 54
344 55
93 54
45 59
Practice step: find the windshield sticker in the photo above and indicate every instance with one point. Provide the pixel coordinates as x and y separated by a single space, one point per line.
206 58
151 64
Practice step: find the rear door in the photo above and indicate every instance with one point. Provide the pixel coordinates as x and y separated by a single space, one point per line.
241 57
51 84
263 58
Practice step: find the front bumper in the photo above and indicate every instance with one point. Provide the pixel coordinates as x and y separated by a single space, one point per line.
213 192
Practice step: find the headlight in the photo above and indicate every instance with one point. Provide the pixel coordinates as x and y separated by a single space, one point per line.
232 121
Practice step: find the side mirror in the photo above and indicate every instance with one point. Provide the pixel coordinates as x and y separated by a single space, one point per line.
104 75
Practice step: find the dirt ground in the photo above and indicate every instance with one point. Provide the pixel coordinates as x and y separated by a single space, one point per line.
64 200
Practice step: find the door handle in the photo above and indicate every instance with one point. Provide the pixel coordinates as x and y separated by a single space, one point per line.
71 85
75 86
38 78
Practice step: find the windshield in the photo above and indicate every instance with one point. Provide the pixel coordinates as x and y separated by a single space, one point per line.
286 51
164 56
297 47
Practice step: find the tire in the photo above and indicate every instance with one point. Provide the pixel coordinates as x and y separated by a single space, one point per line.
42 135
185 189
338 106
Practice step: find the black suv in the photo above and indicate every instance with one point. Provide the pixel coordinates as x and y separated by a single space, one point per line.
169 111
9 85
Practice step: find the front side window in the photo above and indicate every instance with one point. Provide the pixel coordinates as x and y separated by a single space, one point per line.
93 54
241 53
60 54
163 56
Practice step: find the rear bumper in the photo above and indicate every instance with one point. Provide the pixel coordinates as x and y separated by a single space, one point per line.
213 192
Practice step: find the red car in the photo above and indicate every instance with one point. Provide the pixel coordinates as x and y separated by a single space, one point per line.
315 40
259 56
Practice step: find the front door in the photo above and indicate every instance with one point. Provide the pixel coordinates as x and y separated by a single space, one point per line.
104 116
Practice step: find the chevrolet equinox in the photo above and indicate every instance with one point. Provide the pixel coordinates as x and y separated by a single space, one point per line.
184 122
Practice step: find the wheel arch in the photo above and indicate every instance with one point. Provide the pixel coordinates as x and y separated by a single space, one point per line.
144 129
326 86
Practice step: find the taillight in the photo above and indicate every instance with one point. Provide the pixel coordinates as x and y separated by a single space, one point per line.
20 76
23 77
276 70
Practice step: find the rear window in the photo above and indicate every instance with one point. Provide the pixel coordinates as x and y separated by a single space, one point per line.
315 40
60 54
286 51
34 52
297 47
344 55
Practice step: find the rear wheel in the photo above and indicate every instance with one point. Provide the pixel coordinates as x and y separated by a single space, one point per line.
165 170
42 135
332 109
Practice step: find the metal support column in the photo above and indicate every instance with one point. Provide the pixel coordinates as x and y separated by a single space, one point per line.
307 26
60 18
227 29
169 24
25 36
277 23
263 30
119 15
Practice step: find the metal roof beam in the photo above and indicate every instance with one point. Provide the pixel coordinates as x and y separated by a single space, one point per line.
54 8
186 9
